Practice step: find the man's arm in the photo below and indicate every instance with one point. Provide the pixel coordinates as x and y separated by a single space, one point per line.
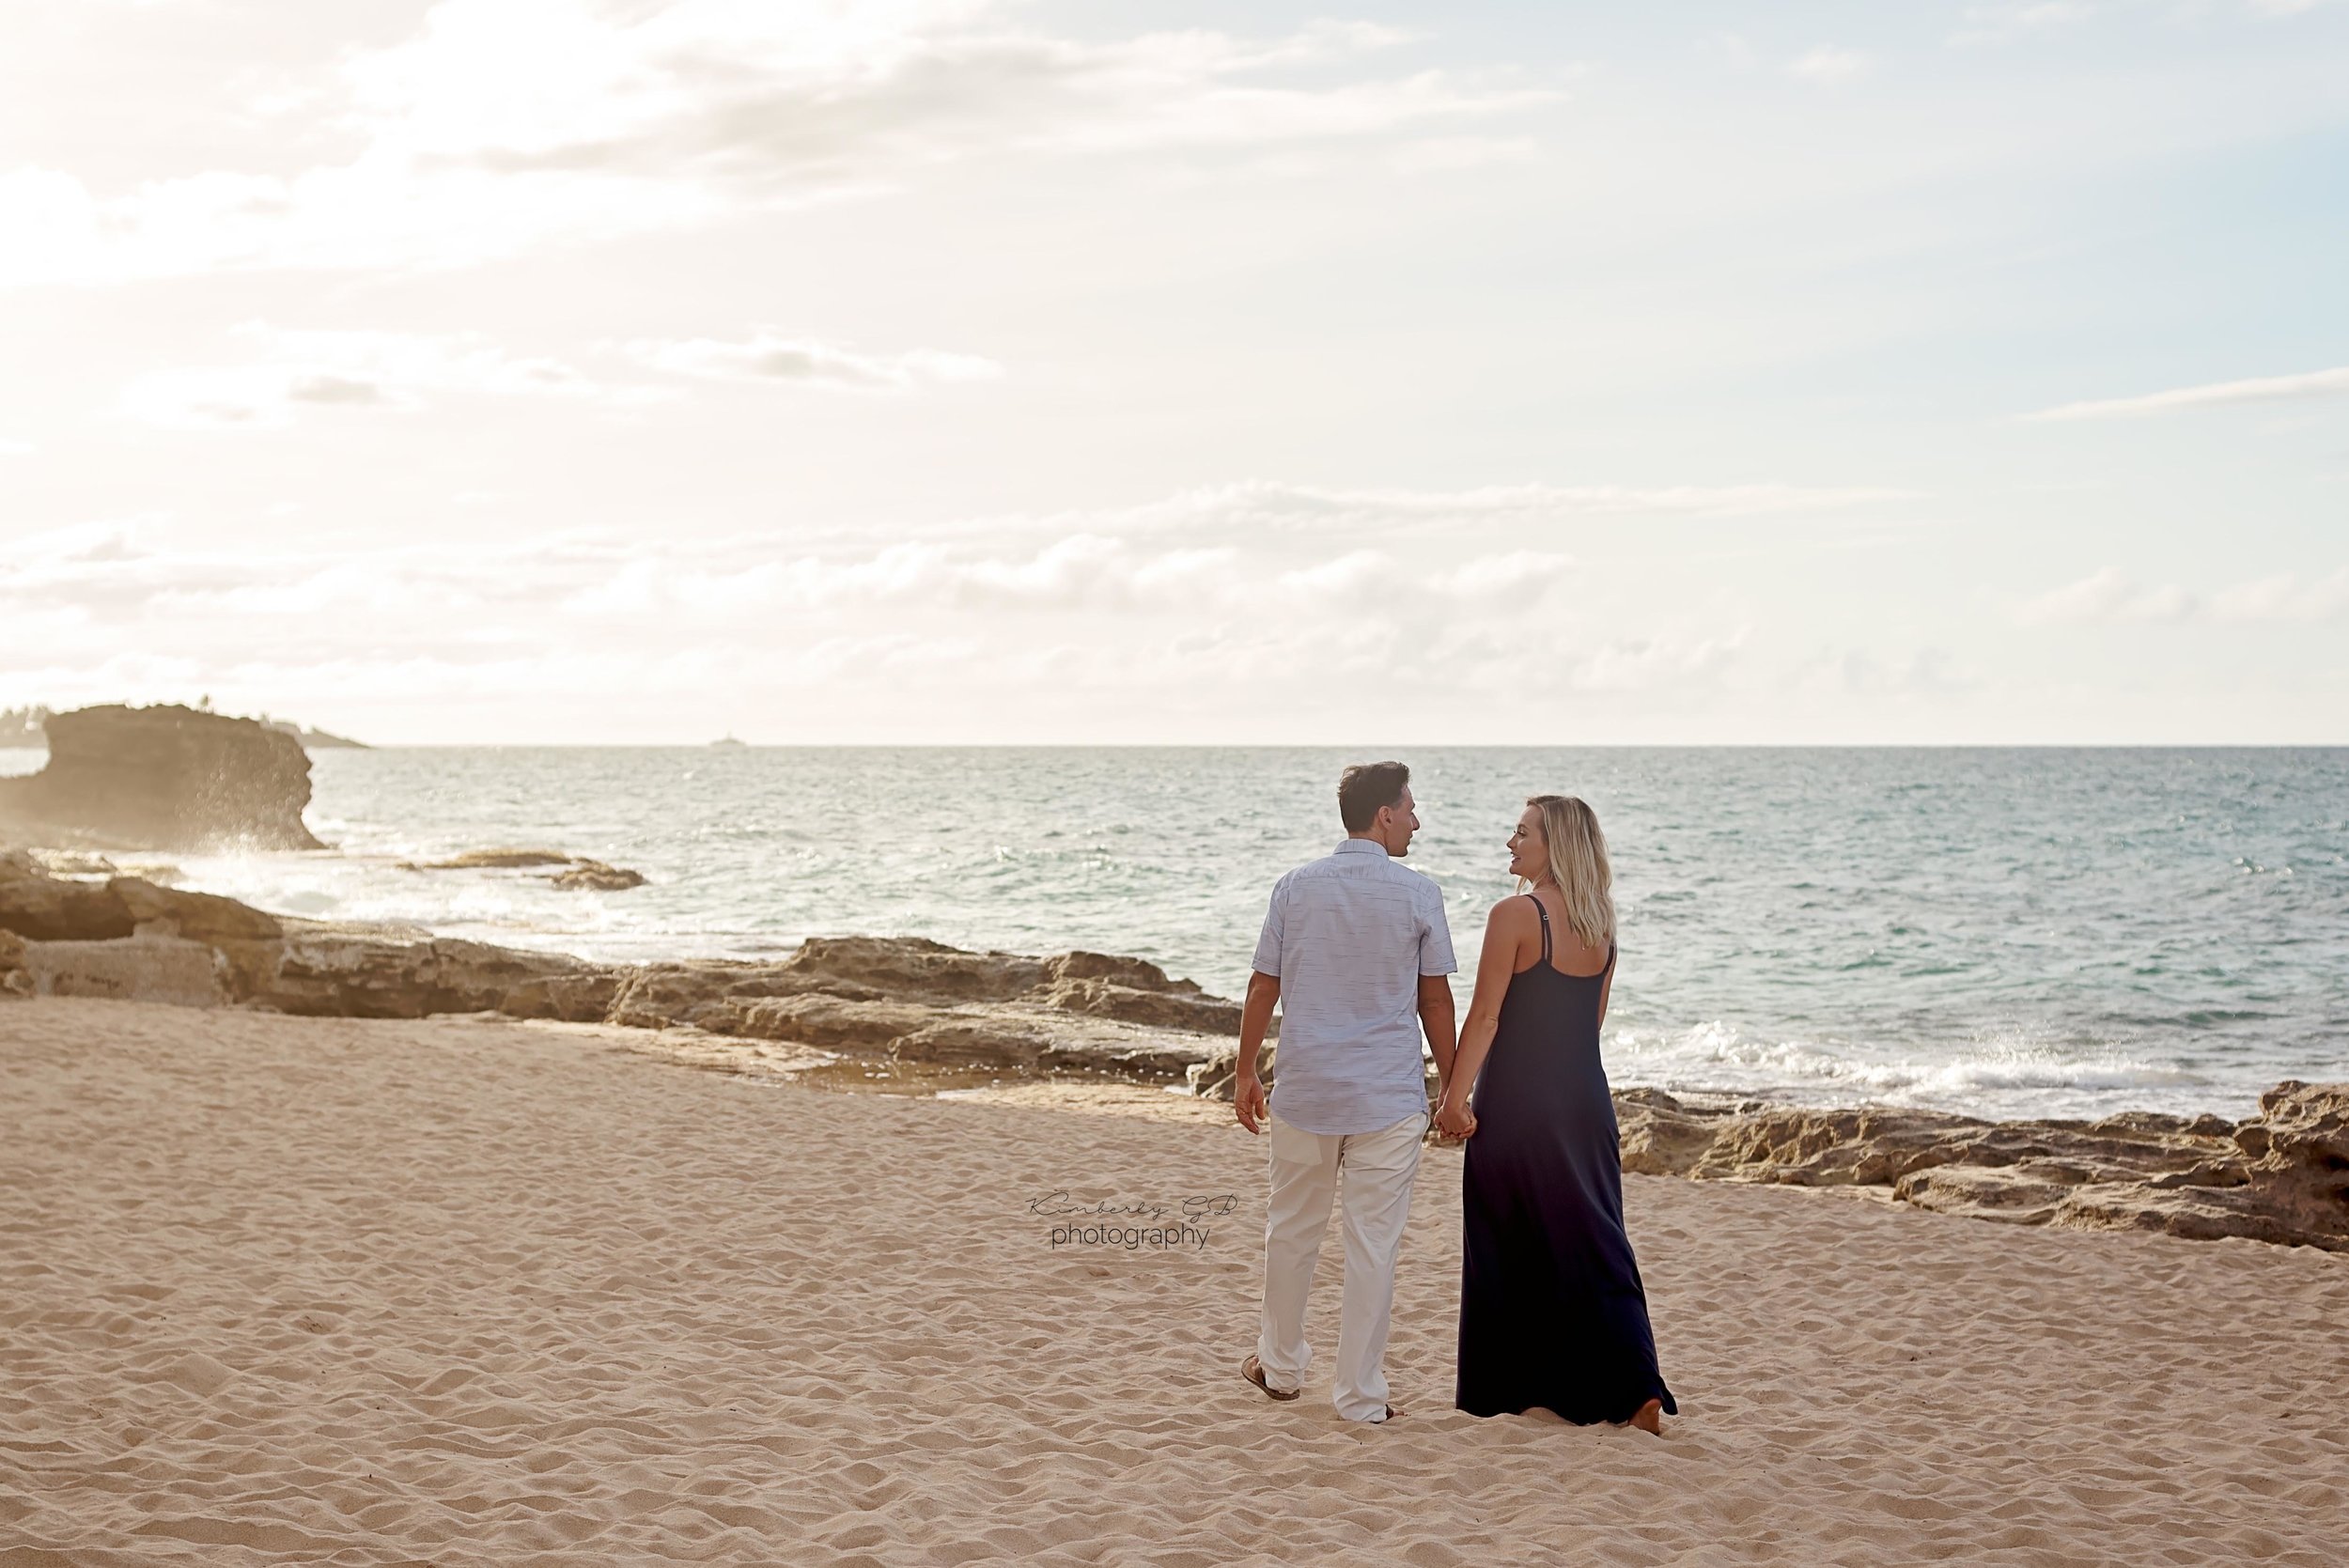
1436 964
1256 1017
1435 1016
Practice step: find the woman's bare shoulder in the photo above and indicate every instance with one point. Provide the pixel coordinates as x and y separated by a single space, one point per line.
1513 911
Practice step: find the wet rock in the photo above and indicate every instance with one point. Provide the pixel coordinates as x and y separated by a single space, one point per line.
1166 1008
578 874
15 980
596 877
1217 1078
41 908
197 916
492 860
164 778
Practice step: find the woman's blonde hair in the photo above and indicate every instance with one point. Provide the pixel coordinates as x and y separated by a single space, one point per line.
1577 862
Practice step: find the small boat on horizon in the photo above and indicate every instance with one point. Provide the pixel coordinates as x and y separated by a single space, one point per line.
727 743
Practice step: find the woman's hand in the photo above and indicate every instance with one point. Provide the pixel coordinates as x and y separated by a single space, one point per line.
1453 1119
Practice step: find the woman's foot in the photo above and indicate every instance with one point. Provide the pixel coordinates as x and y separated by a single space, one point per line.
1651 1417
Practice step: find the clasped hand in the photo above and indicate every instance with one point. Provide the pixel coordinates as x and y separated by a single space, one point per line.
1454 1119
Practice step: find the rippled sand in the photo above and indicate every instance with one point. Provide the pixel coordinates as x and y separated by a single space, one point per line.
279 1291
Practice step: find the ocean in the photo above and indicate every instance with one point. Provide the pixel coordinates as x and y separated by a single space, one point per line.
2004 931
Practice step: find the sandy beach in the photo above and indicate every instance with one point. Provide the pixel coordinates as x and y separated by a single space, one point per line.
295 1291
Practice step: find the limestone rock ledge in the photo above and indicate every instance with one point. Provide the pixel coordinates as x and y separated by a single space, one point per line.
2281 1177
898 999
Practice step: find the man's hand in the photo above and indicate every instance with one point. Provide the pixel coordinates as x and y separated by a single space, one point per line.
1454 1119
1248 1103
1256 1017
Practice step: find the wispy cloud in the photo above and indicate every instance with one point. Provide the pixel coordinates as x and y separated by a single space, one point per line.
10 447
2314 383
287 371
773 357
1446 593
2112 597
503 125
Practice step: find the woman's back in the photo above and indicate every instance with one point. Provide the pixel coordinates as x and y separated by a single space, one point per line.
1544 1070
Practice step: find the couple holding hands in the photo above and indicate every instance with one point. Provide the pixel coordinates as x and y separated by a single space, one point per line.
1358 956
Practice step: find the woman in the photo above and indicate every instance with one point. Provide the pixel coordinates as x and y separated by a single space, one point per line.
1551 1310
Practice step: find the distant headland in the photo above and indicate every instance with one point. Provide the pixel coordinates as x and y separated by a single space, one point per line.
29 726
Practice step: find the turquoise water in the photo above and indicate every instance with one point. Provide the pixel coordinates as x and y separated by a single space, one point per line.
2006 932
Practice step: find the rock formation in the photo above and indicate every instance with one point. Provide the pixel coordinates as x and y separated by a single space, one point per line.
15 979
596 877
491 859
578 876
2281 1176
904 999
164 778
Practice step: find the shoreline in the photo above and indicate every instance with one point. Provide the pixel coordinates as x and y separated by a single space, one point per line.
921 1018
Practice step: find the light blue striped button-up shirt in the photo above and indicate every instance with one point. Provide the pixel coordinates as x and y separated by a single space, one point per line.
1349 936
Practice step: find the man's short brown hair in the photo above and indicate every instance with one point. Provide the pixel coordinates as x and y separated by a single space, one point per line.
1366 786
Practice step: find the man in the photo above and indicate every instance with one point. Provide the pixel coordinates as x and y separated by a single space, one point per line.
1355 952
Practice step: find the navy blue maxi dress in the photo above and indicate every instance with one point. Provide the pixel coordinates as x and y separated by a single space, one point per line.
1551 1310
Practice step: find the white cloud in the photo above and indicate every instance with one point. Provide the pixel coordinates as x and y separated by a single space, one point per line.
2108 595
503 125
1649 663
1827 64
2283 598
2112 597
2314 383
11 447
291 369
768 356
1260 509
1102 608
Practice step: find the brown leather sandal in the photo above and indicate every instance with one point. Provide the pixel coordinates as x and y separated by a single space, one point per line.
1252 1369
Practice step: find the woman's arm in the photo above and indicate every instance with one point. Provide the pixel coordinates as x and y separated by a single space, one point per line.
1607 988
1504 938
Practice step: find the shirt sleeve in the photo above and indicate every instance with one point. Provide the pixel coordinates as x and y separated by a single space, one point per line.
1267 959
1434 934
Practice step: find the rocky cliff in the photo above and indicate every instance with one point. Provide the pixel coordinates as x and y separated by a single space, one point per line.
163 778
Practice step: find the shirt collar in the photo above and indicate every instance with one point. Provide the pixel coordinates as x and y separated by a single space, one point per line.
1361 846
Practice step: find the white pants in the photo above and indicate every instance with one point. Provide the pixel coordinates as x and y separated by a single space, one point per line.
1378 1170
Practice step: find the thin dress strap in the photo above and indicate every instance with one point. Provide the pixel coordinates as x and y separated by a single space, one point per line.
1544 914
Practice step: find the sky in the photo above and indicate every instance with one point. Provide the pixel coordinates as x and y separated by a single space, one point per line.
621 371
